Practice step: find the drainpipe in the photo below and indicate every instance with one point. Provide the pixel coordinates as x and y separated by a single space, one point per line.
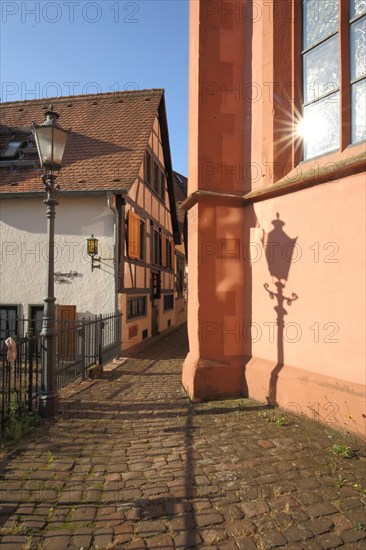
111 205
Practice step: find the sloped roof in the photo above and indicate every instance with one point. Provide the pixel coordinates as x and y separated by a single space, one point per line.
180 183
109 134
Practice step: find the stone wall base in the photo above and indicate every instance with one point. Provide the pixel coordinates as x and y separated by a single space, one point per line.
335 402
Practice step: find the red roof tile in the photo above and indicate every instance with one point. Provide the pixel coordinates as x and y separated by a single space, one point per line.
109 134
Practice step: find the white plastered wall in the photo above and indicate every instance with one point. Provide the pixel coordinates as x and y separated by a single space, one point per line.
24 253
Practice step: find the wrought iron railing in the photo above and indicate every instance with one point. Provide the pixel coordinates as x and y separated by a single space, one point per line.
86 342
19 379
80 344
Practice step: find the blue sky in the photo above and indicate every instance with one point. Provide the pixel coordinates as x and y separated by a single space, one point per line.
70 47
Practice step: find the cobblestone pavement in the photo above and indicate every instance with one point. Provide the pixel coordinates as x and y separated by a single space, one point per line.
133 464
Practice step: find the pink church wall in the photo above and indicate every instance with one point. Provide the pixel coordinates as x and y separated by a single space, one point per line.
317 367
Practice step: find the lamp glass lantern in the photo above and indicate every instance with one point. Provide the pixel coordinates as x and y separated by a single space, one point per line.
92 249
51 141
92 246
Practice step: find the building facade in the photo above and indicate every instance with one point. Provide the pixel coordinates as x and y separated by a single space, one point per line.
276 194
117 185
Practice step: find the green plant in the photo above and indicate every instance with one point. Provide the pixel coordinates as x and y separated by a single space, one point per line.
360 526
20 420
342 450
15 528
275 419
280 421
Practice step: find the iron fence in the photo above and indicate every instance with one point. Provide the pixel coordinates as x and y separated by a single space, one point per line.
20 379
80 344
86 342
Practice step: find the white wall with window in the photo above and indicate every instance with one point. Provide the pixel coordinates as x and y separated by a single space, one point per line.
24 254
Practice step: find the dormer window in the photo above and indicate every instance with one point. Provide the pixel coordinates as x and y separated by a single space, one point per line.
11 150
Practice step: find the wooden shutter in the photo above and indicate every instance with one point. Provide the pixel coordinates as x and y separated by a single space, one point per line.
163 251
133 235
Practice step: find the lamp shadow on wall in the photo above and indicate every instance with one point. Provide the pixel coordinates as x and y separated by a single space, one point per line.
279 249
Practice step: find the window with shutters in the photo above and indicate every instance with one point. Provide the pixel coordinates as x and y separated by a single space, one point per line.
133 233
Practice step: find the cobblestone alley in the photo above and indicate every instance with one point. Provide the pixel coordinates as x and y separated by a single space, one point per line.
133 464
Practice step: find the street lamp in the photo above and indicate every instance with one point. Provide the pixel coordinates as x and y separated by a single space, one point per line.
92 249
51 141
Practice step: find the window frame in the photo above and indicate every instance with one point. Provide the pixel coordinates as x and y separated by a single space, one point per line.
148 162
13 156
156 178
325 96
6 331
352 21
281 154
169 262
180 275
345 84
137 301
170 306
154 175
155 285
162 186
156 247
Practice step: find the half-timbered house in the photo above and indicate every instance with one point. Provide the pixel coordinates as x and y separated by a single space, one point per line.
116 184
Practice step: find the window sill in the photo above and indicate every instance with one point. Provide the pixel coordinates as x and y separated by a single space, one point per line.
322 169
137 317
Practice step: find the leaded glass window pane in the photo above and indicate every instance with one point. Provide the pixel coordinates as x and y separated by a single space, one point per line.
359 111
358 7
321 70
358 48
321 124
320 20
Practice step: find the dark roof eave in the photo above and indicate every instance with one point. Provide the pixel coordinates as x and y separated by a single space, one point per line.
169 169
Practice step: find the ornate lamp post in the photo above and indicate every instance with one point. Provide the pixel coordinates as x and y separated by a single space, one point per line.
51 141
